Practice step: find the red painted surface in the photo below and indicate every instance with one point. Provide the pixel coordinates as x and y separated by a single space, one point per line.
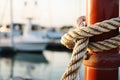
99 10
98 68
101 73
103 61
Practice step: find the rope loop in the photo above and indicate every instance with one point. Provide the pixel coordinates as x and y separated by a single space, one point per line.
78 40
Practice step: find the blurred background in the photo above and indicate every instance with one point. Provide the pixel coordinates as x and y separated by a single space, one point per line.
30 33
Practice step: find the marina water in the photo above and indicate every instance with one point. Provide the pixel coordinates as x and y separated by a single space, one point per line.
49 65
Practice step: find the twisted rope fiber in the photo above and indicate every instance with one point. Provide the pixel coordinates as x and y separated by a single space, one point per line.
78 40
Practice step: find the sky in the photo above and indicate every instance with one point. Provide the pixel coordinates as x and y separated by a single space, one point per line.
55 13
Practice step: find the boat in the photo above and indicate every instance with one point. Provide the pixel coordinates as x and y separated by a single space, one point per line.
32 39
29 38
5 34
52 33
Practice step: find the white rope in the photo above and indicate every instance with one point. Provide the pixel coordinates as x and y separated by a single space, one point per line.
78 40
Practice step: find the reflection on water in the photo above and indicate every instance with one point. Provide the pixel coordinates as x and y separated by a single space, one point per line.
48 65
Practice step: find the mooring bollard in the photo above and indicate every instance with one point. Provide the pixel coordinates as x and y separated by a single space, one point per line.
97 43
102 65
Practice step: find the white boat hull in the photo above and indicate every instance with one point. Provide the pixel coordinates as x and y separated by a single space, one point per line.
30 46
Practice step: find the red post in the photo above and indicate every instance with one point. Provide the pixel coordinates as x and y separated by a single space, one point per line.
102 65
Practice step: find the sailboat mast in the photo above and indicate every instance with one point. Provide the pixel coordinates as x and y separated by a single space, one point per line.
11 21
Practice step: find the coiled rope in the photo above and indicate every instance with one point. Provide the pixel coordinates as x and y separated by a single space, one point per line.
78 40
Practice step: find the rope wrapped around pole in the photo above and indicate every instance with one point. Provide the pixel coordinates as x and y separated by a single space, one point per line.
78 40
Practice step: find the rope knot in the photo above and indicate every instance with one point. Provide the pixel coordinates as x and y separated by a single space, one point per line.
78 40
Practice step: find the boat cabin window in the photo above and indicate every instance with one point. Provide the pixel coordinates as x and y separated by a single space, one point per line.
53 30
17 27
35 27
8 26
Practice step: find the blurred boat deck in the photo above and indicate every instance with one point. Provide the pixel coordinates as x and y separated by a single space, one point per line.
5 43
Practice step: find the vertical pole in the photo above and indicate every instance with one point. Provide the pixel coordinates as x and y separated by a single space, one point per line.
99 10
11 18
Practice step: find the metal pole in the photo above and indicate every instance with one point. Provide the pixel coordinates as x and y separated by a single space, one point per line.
11 18
12 37
99 10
